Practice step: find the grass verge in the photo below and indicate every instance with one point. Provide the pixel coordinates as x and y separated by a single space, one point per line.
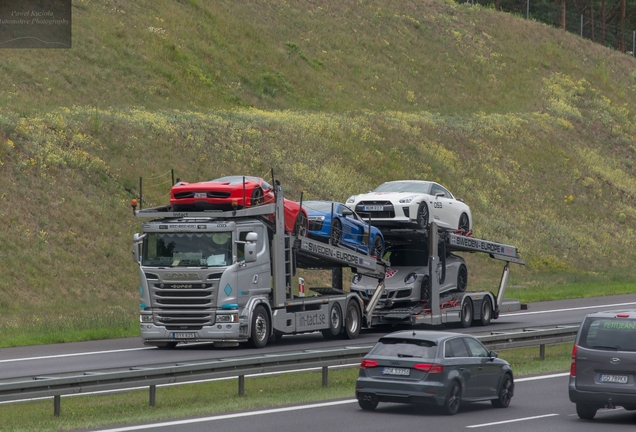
217 397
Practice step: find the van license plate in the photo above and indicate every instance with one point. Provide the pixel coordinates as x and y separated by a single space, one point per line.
396 371
184 335
618 379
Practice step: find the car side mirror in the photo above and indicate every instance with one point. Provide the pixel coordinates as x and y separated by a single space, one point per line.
492 354
347 213
439 194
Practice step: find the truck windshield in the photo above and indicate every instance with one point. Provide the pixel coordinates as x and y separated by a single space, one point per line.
187 249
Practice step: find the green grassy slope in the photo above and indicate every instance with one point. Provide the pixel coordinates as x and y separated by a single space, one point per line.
533 127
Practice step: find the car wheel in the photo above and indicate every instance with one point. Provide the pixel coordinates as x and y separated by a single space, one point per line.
505 393
486 311
464 223
453 399
368 403
586 412
422 215
336 232
335 322
462 278
425 288
300 227
260 328
257 197
352 321
467 313
377 249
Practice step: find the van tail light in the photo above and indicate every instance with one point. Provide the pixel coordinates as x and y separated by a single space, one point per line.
573 365
368 364
622 315
432 368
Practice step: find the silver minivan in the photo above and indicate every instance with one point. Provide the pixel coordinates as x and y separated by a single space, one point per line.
603 370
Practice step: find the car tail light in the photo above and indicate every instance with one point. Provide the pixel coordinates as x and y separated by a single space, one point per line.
573 365
431 368
367 364
622 315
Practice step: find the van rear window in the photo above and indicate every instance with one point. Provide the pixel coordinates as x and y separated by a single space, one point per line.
618 334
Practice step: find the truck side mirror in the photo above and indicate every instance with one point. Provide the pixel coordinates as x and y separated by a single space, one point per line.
137 239
250 246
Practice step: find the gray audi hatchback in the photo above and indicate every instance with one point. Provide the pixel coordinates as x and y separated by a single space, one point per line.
433 367
603 370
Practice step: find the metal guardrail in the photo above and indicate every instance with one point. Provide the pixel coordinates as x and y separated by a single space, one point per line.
151 376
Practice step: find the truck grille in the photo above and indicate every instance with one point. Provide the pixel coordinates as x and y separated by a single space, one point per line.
185 304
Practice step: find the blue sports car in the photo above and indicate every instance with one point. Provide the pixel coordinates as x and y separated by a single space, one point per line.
339 225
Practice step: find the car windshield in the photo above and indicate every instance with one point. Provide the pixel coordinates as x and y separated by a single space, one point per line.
398 347
320 206
402 186
187 249
407 257
239 180
609 334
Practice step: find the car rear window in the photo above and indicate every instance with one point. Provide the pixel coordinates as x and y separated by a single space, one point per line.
395 347
609 334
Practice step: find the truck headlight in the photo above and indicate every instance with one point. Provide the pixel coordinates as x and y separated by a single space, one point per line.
227 318
145 318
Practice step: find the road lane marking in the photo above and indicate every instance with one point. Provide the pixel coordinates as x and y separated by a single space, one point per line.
73 355
566 310
511 421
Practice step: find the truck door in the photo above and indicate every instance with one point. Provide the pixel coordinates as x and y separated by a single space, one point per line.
254 276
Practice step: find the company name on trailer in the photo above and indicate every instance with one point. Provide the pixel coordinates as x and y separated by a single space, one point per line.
478 244
330 252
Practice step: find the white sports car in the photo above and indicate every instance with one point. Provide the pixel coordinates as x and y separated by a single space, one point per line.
412 202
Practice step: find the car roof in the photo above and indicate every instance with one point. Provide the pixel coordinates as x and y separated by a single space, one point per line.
428 335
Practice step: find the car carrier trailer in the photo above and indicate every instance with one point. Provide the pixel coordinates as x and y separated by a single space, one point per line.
450 307
243 291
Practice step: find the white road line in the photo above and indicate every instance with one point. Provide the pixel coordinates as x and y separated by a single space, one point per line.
295 408
535 378
566 310
229 416
73 355
511 421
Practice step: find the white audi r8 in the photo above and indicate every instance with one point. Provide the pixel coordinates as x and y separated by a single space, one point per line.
412 203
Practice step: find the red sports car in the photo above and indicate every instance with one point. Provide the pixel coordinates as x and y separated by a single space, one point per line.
231 192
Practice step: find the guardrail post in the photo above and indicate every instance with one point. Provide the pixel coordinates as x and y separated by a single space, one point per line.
241 381
57 405
153 395
325 376
542 351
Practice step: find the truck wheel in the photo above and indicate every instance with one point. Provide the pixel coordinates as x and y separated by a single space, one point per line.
260 328
352 320
422 215
486 311
335 322
462 278
336 232
467 313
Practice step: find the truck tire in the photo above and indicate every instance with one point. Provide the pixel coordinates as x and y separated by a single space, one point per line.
261 328
467 313
486 311
353 320
335 322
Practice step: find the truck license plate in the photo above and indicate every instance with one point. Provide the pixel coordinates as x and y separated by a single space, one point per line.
373 208
184 335
396 371
619 379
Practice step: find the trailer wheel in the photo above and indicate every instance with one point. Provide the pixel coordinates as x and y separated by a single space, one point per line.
467 313
335 322
260 328
462 278
422 215
486 311
336 232
257 197
352 320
